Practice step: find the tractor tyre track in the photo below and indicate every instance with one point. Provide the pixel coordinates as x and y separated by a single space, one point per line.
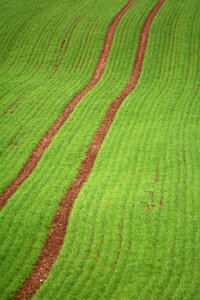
57 232
45 141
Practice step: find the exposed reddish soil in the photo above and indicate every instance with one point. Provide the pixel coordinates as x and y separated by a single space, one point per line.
54 241
45 141
11 106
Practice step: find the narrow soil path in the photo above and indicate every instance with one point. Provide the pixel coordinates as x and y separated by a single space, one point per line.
45 141
54 241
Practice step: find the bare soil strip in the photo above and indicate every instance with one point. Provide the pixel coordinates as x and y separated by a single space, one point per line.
45 141
54 241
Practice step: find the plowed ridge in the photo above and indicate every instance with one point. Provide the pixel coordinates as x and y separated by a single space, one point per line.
54 241
50 134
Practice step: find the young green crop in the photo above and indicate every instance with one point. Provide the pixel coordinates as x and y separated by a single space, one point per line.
44 98
35 112
34 204
134 229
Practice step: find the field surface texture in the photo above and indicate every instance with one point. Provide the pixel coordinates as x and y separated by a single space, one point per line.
100 149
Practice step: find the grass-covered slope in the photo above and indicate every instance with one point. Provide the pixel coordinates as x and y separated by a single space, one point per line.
53 58
134 229
27 215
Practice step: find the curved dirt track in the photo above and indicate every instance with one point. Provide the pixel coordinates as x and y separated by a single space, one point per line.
45 141
54 241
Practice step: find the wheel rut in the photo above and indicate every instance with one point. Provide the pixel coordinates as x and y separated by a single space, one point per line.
46 140
57 232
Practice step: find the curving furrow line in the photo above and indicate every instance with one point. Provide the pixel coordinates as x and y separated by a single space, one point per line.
76 22
48 114
29 108
156 112
154 285
152 279
147 287
83 251
54 241
91 250
48 137
39 78
28 208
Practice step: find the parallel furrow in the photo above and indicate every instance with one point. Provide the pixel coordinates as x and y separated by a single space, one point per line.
54 241
48 137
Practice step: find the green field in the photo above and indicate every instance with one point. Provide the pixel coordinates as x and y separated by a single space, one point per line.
134 229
